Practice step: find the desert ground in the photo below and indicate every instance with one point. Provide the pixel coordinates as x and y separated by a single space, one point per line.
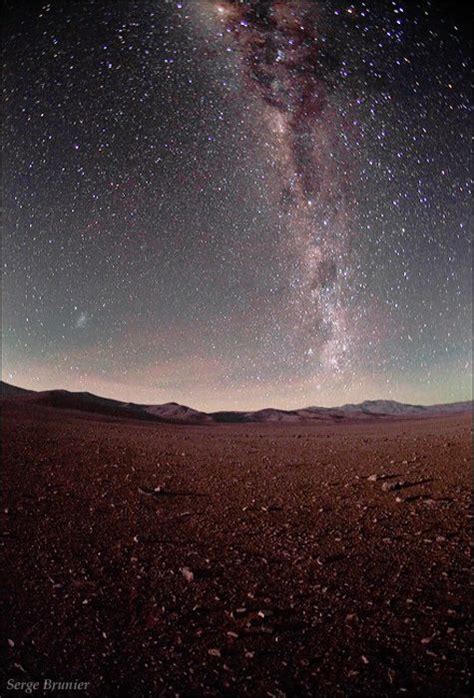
236 560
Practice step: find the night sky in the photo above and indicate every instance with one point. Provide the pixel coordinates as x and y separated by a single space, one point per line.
238 205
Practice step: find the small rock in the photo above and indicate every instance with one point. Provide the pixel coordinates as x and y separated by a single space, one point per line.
391 486
214 652
187 574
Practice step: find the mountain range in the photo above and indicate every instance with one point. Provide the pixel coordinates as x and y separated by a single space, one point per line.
172 412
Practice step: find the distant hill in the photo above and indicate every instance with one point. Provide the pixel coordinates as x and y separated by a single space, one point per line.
390 407
7 390
172 412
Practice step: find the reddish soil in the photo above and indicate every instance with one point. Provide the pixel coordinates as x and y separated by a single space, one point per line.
236 560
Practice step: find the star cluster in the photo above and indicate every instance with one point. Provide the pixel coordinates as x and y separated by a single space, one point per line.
237 204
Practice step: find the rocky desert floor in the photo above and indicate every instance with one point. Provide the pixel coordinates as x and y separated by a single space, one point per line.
245 560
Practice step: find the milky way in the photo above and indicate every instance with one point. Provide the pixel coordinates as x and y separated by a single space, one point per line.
238 204
284 61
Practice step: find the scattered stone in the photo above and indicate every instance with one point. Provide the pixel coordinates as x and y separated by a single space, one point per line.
391 486
187 574
427 640
151 493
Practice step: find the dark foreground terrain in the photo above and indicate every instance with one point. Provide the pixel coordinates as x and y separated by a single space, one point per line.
236 560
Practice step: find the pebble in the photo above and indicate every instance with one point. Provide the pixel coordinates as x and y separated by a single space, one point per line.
187 574
391 486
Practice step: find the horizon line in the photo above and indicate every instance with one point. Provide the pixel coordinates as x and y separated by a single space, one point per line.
280 409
